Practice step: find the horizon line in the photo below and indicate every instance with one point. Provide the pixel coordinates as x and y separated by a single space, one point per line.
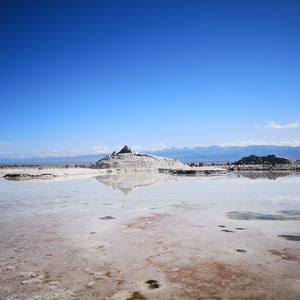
108 150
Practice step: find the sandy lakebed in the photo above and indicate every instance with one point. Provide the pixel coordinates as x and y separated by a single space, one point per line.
150 236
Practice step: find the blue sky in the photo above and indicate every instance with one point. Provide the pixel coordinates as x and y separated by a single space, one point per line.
82 76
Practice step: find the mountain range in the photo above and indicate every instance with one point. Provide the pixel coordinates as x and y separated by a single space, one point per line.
229 153
195 154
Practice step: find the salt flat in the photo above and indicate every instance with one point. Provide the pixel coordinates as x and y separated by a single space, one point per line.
150 236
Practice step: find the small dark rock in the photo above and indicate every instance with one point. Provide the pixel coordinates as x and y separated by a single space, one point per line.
106 218
153 284
241 250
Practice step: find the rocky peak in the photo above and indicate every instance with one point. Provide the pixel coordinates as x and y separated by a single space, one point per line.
125 149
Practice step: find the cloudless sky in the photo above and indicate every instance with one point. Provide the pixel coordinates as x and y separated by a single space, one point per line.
80 74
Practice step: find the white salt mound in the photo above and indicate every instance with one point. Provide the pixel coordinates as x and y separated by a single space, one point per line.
127 159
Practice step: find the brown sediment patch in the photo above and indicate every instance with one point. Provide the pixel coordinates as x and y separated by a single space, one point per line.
54 279
108 274
136 296
144 223
217 280
100 247
287 254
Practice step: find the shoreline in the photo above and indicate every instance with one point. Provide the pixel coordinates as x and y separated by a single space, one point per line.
46 173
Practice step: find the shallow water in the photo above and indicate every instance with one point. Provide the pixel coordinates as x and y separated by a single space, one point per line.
223 237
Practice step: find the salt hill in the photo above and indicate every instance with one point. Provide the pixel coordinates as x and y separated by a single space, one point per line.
128 159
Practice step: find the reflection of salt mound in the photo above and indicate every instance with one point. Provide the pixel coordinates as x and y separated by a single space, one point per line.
127 181
127 159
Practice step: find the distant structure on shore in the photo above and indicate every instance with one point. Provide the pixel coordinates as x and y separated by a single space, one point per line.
265 163
128 159
263 160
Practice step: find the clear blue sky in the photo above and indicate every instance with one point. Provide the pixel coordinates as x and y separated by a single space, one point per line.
79 74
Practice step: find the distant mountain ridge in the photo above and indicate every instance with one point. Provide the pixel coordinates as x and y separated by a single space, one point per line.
195 154
229 153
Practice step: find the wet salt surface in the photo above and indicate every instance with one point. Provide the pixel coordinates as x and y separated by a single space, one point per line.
161 238
290 237
248 215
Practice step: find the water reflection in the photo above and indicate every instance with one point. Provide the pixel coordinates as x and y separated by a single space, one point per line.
249 215
272 175
127 181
